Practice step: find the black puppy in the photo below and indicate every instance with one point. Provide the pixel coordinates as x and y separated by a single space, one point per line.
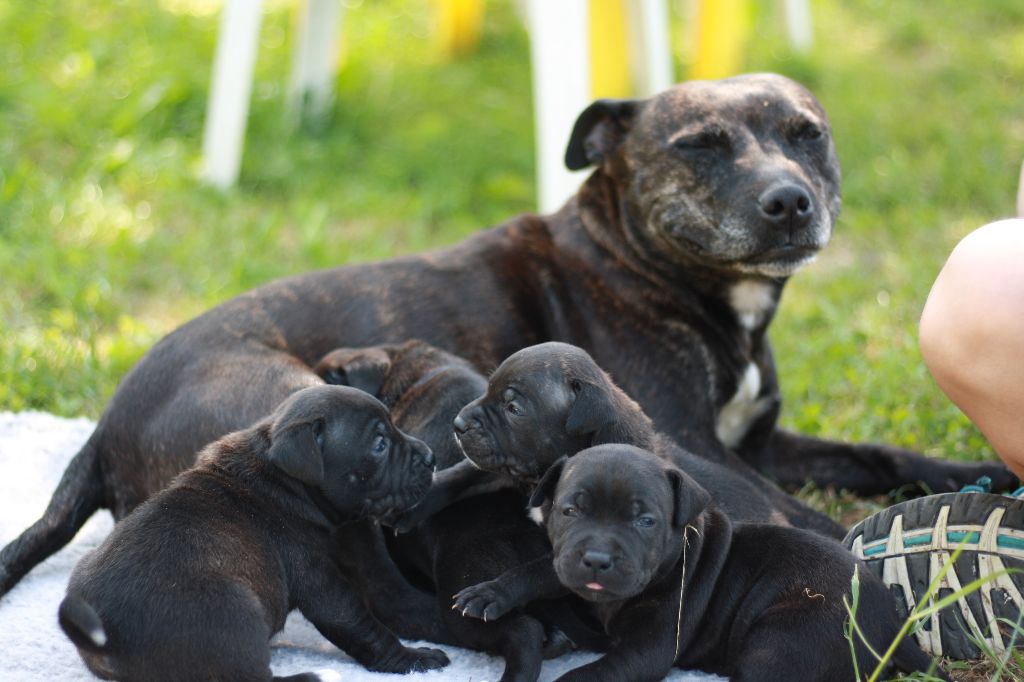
676 583
422 386
475 539
552 400
193 584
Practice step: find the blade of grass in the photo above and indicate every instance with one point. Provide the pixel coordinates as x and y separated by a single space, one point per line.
851 624
909 622
966 589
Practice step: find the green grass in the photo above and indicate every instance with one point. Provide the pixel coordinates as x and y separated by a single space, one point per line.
107 240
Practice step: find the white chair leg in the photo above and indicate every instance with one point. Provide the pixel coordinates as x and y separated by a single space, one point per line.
560 62
798 24
1020 194
315 58
230 88
649 46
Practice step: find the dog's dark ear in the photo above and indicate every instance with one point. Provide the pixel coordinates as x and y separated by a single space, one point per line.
599 130
545 490
591 410
364 368
298 451
690 498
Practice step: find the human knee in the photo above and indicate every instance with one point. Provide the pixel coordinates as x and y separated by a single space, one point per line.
977 301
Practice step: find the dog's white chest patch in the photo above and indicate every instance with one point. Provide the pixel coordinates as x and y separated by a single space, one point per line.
737 415
752 301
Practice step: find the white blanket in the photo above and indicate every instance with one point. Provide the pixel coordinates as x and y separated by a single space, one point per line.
34 449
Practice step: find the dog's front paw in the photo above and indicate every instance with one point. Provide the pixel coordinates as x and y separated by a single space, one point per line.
947 476
488 601
405 521
412 660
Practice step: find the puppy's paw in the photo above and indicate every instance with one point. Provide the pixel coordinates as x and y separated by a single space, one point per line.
411 660
556 643
488 601
406 521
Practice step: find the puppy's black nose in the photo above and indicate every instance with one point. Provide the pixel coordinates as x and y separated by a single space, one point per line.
787 204
598 561
423 451
466 421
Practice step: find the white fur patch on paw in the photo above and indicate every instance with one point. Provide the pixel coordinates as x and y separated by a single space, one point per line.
328 675
537 515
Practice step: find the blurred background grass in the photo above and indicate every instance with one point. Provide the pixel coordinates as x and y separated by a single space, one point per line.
107 240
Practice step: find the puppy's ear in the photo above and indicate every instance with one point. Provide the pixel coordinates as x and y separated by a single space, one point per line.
690 498
363 368
599 131
591 409
545 490
298 451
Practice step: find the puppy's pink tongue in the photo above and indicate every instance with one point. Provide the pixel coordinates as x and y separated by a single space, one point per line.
597 587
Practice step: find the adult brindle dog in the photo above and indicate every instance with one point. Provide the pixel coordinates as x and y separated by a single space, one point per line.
666 267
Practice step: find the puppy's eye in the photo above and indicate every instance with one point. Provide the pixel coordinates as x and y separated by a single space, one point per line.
380 445
644 522
570 510
514 408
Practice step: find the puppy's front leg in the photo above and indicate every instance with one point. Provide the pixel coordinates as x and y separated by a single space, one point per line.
449 486
405 610
516 587
332 606
645 646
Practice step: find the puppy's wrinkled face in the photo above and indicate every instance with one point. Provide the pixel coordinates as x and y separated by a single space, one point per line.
518 427
739 175
614 516
341 440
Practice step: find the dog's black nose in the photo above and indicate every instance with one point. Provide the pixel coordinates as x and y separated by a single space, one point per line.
465 421
787 204
598 561
423 451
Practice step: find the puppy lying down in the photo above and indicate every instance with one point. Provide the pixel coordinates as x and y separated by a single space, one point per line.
677 584
193 583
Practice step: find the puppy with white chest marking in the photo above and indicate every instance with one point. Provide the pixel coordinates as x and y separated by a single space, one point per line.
677 584
193 583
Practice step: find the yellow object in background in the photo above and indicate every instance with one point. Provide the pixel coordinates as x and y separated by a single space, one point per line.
458 25
720 34
609 51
